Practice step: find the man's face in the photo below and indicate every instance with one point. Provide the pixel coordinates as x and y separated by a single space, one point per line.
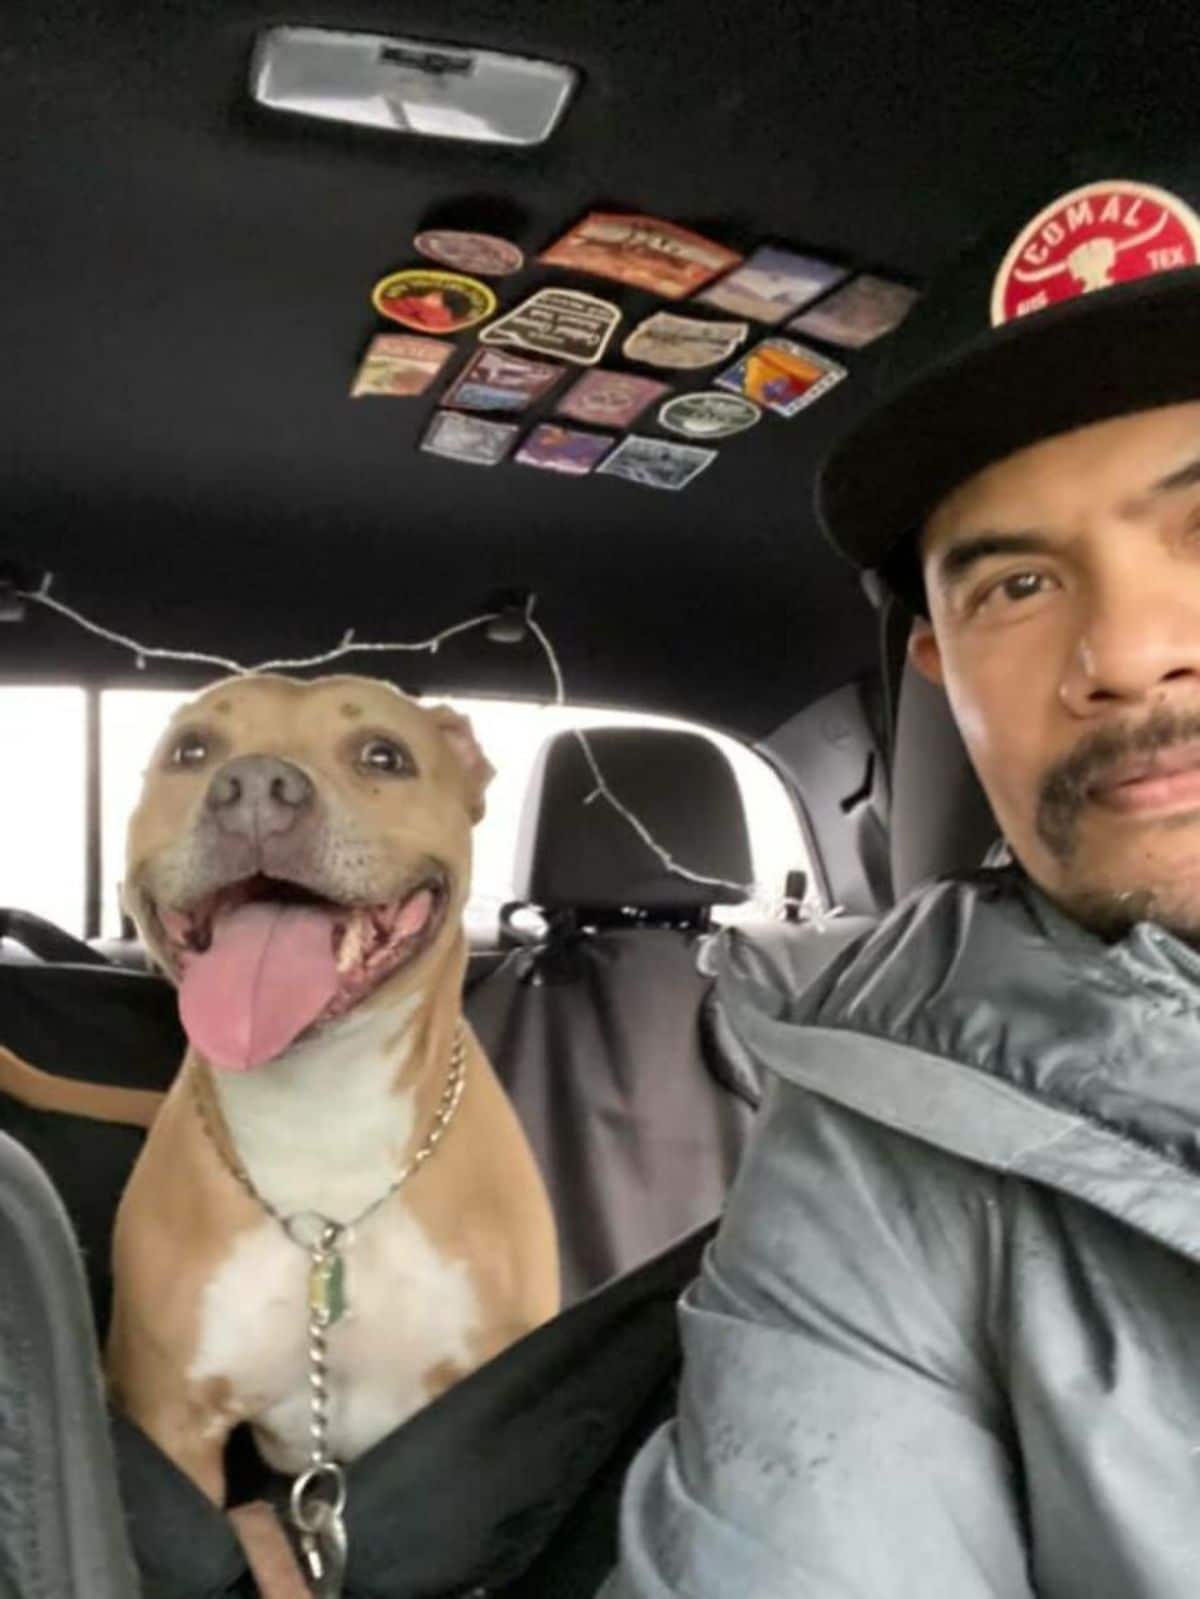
1064 592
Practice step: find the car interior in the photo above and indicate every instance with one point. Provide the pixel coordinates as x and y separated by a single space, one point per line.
198 207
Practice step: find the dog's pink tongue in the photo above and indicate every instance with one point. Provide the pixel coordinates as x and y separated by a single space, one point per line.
268 974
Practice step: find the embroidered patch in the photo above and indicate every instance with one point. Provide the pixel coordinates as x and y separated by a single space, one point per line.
708 416
481 253
433 302
858 314
568 450
610 399
645 252
496 380
1095 237
683 343
400 364
783 376
562 323
657 463
469 438
772 284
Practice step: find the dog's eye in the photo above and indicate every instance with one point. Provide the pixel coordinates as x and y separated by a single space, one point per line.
189 749
386 755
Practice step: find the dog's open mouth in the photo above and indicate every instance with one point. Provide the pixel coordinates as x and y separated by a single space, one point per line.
262 961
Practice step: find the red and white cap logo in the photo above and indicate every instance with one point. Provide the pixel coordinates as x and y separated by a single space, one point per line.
1094 238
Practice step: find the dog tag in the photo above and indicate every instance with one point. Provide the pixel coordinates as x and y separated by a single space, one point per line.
324 1551
327 1287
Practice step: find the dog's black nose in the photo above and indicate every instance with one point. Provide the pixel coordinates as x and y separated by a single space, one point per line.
258 795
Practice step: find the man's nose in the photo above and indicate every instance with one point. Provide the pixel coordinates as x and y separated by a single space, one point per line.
1133 647
257 796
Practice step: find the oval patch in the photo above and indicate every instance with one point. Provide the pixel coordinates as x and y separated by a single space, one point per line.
484 253
433 302
1095 237
708 416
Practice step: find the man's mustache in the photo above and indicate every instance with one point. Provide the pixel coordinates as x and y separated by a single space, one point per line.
1067 785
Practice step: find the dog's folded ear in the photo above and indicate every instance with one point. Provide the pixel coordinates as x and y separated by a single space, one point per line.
460 738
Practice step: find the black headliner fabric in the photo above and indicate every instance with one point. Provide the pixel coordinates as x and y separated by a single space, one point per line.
183 295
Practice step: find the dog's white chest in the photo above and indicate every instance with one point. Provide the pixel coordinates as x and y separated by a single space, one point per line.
409 1309
323 1131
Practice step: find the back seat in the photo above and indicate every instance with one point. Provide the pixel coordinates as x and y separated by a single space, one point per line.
939 822
599 1029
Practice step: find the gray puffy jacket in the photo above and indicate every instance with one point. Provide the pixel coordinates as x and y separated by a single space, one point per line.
947 1342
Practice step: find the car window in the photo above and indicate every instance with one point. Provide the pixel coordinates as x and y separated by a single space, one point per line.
42 802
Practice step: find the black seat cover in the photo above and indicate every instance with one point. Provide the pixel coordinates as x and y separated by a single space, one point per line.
603 1044
601 1035
99 1024
510 1481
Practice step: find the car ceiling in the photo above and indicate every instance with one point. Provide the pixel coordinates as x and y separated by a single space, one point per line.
185 295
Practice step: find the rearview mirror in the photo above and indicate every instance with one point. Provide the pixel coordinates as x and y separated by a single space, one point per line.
410 85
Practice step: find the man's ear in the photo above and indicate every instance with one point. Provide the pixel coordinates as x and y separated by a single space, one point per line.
460 739
924 652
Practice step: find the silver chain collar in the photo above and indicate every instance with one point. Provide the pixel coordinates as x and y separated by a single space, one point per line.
318 1498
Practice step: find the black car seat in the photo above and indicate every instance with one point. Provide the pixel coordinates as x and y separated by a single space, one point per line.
940 817
599 1031
940 822
62 1527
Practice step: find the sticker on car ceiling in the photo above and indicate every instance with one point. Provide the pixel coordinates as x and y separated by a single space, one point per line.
433 302
400 364
708 416
610 399
498 380
859 313
561 323
481 253
772 283
783 376
683 343
568 450
644 252
469 438
657 463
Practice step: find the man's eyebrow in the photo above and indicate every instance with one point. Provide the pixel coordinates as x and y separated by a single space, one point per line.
954 564
1185 478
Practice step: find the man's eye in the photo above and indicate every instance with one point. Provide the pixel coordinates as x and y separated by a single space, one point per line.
189 749
1015 588
387 755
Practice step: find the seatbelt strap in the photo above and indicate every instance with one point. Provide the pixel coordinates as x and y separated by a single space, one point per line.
272 1562
100 1102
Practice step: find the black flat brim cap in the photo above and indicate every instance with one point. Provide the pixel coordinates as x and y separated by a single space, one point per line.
1110 353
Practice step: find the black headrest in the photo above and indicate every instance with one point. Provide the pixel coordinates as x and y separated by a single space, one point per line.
587 857
940 818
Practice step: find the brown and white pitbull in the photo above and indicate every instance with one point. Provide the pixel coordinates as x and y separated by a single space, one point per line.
299 862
